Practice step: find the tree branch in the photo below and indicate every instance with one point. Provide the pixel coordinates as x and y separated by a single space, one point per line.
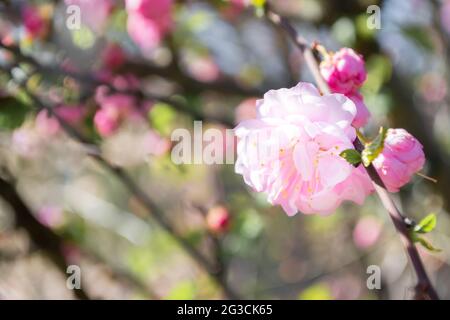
424 288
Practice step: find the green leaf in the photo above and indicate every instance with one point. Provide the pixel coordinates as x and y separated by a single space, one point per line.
162 117
426 244
374 148
427 224
12 113
351 155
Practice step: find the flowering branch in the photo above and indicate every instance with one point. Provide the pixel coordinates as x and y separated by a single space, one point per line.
424 287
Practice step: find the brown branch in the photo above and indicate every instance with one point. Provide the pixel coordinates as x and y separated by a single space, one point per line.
424 288
40 235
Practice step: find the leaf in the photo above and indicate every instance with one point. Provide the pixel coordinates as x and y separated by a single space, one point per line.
374 148
12 113
351 155
427 224
427 245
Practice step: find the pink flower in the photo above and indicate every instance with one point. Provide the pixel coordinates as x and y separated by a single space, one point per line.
148 21
401 158
366 233
291 151
344 71
113 56
33 22
362 113
218 219
113 109
106 121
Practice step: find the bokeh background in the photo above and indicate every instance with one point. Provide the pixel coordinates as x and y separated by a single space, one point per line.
216 58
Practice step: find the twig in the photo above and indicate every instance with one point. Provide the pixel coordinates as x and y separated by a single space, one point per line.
424 288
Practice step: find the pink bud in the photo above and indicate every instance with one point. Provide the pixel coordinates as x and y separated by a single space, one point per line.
106 121
344 71
401 158
33 22
218 219
113 56
148 21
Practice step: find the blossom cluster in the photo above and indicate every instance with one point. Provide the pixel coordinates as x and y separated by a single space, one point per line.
292 149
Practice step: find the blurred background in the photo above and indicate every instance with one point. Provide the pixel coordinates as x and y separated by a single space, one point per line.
83 198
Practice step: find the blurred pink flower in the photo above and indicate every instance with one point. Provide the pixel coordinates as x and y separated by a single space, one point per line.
203 69
218 219
113 56
401 158
366 233
35 25
50 216
362 113
344 71
94 14
291 151
148 21
113 109
106 121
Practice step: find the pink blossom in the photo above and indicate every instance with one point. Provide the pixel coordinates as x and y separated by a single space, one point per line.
148 21
33 22
401 158
113 109
366 233
362 113
94 14
344 71
113 56
106 121
291 151
218 219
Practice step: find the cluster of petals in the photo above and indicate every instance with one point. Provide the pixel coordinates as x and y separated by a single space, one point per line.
291 151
